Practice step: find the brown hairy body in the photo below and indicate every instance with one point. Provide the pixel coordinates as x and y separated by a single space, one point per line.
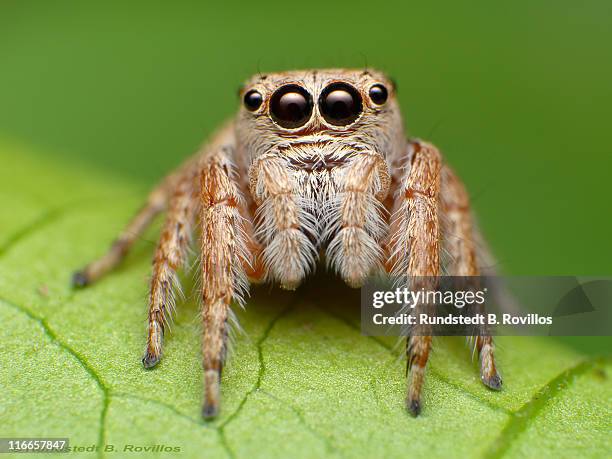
316 162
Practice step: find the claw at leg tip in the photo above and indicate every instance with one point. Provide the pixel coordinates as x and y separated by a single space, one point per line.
149 361
413 407
210 411
79 279
494 382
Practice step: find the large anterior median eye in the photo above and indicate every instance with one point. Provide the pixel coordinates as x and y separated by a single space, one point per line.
340 104
291 106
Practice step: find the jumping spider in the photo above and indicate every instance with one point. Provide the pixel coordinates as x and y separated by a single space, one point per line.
316 163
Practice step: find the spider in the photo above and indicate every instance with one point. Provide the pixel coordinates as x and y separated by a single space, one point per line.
315 165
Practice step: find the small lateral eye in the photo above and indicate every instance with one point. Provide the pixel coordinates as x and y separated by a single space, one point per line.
340 104
379 94
252 100
291 106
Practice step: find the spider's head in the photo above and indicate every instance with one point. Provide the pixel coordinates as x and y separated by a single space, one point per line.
349 108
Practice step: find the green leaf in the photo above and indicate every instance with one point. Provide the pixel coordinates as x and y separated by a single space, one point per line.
301 382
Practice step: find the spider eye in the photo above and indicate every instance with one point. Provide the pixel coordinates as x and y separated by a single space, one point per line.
253 100
379 94
340 104
291 106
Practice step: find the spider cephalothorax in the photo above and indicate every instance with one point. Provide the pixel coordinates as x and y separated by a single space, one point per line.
315 165
315 131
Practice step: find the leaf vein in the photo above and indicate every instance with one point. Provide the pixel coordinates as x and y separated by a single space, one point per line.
52 335
300 416
432 371
32 227
40 222
257 385
524 416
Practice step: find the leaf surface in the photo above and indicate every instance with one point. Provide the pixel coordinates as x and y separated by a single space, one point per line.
301 381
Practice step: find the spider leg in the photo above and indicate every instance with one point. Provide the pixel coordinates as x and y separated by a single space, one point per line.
155 204
414 246
459 242
170 255
356 219
224 251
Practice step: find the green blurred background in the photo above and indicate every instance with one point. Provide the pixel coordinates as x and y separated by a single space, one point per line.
518 96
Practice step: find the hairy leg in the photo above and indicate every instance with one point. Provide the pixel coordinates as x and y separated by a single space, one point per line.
415 247
224 251
356 219
156 203
288 253
460 246
170 256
